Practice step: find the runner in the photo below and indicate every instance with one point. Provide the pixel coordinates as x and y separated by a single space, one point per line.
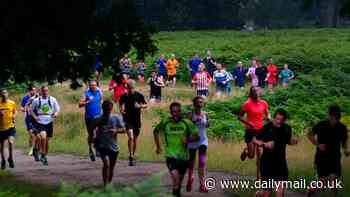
328 136
201 119
108 126
141 67
252 73
194 63
156 84
161 65
261 73
171 65
273 138
239 74
177 132
125 65
44 110
286 75
118 85
27 118
131 104
209 62
222 79
98 68
91 100
256 110
272 76
8 112
201 81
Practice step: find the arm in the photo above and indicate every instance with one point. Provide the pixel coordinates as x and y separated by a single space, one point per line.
56 109
241 118
157 141
311 137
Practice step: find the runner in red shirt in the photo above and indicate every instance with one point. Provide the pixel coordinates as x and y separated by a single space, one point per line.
272 75
118 85
256 111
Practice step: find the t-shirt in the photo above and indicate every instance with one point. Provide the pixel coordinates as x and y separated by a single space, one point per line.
333 137
8 109
209 65
281 137
45 109
285 75
194 63
202 80
105 138
162 69
261 73
254 77
173 133
273 74
171 66
221 77
119 89
24 102
93 108
132 114
255 113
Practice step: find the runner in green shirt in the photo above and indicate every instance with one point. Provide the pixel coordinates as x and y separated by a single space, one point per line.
177 132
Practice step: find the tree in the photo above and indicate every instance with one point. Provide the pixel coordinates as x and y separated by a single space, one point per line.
58 40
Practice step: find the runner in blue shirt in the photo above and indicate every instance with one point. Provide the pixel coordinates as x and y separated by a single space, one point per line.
161 65
91 100
194 63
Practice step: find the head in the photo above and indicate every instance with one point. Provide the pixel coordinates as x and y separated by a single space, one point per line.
239 64
253 94
44 91
334 114
131 85
279 117
107 107
126 56
175 111
173 56
209 53
285 66
201 67
198 102
254 61
162 56
219 66
196 55
31 90
153 73
4 94
93 85
270 61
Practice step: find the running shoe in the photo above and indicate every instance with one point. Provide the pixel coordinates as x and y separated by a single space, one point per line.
3 164
44 161
30 152
92 156
131 161
11 163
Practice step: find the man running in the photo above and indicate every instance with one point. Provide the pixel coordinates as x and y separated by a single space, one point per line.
44 110
141 67
272 75
209 62
156 84
131 104
171 66
161 65
8 112
261 73
177 132
256 110
286 75
239 74
201 81
329 136
222 80
27 118
91 100
273 138
108 126
194 63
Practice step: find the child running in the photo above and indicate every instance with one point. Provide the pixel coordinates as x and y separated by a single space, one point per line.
201 119
286 75
201 81
108 126
273 138
156 84
8 112
177 132
329 136
256 110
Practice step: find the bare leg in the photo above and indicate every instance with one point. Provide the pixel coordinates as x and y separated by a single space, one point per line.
105 170
112 163
258 175
176 182
134 145
130 142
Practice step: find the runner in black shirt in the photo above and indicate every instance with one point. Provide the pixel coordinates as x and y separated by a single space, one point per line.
131 104
209 63
261 72
156 84
329 135
274 137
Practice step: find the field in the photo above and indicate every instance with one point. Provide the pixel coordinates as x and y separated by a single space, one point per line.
320 57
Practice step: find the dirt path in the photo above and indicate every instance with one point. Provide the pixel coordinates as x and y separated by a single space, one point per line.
79 170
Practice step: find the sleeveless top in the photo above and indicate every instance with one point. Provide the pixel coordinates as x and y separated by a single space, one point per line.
201 122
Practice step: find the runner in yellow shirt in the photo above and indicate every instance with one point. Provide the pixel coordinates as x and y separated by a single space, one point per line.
8 111
171 65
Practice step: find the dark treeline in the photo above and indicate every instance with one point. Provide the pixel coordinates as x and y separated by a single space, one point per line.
237 14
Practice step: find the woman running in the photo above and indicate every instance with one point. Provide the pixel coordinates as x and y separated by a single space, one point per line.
201 119
118 85
256 111
286 75
156 84
272 75
108 126
251 73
